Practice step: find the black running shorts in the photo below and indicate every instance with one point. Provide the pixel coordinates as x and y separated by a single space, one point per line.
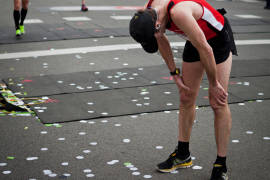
222 45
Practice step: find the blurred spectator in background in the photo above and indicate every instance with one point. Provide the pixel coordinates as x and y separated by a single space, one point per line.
84 7
19 14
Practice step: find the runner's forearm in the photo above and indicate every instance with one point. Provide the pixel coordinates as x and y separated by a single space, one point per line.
208 61
166 52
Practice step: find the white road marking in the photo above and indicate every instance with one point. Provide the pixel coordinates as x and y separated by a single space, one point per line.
32 21
252 42
116 47
250 1
248 16
95 8
121 17
79 18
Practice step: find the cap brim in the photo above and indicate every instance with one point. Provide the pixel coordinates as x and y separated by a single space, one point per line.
151 46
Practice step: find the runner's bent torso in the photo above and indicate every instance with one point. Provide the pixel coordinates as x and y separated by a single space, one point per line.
210 22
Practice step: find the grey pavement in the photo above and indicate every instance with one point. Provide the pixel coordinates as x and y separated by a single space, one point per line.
128 145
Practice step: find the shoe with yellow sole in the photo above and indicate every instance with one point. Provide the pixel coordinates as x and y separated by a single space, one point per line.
174 162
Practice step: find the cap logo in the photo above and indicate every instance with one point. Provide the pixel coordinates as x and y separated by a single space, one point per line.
136 17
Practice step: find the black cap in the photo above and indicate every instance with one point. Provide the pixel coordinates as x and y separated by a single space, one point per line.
142 29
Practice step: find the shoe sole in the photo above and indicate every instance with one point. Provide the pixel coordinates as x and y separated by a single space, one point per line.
181 166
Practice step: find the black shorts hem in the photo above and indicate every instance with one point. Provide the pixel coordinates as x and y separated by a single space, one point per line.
191 54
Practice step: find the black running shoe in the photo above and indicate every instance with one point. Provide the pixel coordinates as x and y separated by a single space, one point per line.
173 163
219 172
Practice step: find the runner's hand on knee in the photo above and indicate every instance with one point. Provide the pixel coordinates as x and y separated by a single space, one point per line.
217 95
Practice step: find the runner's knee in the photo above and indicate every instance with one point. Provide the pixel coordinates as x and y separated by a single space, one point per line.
187 99
217 108
25 4
17 6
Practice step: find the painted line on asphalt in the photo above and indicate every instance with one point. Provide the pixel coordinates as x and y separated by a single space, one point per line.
96 8
251 1
121 17
77 18
248 16
32 21
116 47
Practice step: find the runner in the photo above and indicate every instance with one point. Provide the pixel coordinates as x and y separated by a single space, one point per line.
209 47
19 14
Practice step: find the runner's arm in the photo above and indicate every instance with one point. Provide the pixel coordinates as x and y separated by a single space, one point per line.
165 50
166 53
